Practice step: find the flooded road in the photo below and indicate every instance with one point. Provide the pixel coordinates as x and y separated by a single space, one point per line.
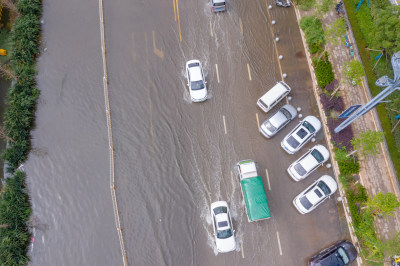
173 158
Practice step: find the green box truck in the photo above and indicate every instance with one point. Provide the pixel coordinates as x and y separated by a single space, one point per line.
253 191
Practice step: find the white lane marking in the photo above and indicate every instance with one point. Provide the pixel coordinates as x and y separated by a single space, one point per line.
211 31
269 185
241 26
158 52
279 243
248 70
258 122
223 117
133 49
216 69
233 181
241 248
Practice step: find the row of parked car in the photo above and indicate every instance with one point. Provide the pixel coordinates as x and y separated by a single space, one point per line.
342 252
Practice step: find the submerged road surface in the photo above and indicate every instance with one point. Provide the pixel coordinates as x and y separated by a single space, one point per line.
173 158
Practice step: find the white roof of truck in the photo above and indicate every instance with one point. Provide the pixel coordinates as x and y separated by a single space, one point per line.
247 169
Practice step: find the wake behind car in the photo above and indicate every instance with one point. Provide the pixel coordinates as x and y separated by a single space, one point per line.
341 253
279 120
308 163
315 194
301 134
196 82
222 224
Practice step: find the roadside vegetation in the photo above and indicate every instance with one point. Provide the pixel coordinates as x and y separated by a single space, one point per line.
364 209
15 209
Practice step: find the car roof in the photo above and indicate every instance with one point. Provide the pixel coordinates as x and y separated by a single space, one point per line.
218 1
308 162
194 67
277 119
222 221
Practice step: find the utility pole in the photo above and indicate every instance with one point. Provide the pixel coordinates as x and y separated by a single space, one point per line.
390 84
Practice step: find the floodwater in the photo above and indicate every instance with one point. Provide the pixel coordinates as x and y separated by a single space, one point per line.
173 158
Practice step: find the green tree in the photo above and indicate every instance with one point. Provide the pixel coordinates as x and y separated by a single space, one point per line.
353 72
367 142
335 32
387 23
383 205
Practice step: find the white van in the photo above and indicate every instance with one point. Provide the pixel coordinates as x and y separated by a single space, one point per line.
273 96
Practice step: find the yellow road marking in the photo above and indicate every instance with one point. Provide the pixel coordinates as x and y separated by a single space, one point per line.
158 52
211 31
241 26
269 185
273 38
174 9
258 122
248 70
133 49
179 21
216 69
233 182
223 117
241 248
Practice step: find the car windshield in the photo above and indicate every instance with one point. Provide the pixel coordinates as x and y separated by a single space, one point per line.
222 234
309 127
197 85
219 210
324 187
305 202
317 155
270 127
299 169
286 113
292 142
343 255
219 4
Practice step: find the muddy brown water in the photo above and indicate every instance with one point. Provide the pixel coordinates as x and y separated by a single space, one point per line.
172 157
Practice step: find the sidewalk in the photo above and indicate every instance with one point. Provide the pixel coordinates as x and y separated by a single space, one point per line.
376 173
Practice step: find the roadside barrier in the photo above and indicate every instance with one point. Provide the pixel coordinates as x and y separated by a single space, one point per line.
110 137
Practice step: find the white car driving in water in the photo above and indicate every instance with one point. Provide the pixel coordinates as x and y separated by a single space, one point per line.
196 82
222 224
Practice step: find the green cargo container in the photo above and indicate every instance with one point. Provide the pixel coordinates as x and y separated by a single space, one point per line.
255 198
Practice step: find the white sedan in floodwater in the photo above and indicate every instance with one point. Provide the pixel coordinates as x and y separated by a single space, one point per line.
222 224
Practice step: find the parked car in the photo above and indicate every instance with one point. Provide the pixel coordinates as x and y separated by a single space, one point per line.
196 81
222 224
301 134
279 120
307 163
217 5
315 194
273 96
341 253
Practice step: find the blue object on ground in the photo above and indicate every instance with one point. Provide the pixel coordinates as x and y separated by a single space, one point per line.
397 117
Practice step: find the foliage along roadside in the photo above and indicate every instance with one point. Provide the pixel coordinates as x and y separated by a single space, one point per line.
19 116
361 24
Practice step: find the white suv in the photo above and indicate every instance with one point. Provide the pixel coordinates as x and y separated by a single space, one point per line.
196 82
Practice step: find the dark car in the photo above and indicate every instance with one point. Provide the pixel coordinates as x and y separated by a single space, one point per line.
341 253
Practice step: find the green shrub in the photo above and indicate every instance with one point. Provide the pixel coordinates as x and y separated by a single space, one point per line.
345 180
30 7
313 32
14 212
349 167
323 71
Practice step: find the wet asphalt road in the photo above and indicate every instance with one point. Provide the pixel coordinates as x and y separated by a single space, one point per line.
172 157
